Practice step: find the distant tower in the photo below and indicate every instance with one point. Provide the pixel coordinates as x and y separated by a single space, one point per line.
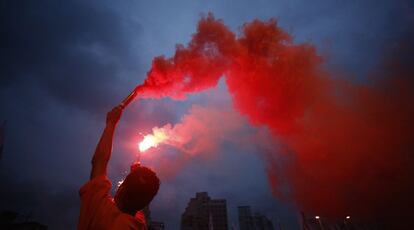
249 222
151 224
261 222
204 213
245 218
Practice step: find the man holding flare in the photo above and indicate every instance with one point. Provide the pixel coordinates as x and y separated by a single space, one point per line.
99 210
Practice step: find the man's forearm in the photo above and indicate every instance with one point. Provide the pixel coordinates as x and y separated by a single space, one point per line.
104 147
103 151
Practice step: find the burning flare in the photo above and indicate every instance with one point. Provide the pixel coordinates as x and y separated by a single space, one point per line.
153 140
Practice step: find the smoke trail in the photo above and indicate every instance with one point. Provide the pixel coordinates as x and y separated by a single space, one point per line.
199 133
350 146
201 130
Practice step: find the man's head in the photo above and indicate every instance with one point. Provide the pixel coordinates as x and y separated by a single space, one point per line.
137 190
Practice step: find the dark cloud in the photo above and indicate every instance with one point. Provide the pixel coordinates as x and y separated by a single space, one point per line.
73 49
61 69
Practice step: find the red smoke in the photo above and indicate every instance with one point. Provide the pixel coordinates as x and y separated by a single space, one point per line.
200 132
349 147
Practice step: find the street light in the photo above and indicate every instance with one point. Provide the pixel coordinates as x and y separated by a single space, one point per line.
347 218
318 219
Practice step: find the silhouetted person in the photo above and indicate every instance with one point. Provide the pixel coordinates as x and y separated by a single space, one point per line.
98 209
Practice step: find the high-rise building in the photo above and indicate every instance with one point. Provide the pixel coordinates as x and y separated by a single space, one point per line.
204 213
247 221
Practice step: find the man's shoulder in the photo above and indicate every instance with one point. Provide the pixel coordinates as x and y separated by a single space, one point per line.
99 183
125 221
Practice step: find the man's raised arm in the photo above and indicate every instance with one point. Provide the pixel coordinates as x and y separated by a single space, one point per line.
103 150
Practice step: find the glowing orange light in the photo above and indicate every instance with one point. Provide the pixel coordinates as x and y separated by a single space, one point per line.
148 142
120 183
153 140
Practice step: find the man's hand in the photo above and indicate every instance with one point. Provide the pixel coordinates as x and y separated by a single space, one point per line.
114 115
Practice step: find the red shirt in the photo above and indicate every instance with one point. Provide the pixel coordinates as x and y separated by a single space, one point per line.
99 211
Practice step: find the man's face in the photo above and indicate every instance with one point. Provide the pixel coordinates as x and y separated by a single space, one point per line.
118 194
121 200
120 197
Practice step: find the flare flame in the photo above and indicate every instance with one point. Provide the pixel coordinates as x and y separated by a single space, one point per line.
153 140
